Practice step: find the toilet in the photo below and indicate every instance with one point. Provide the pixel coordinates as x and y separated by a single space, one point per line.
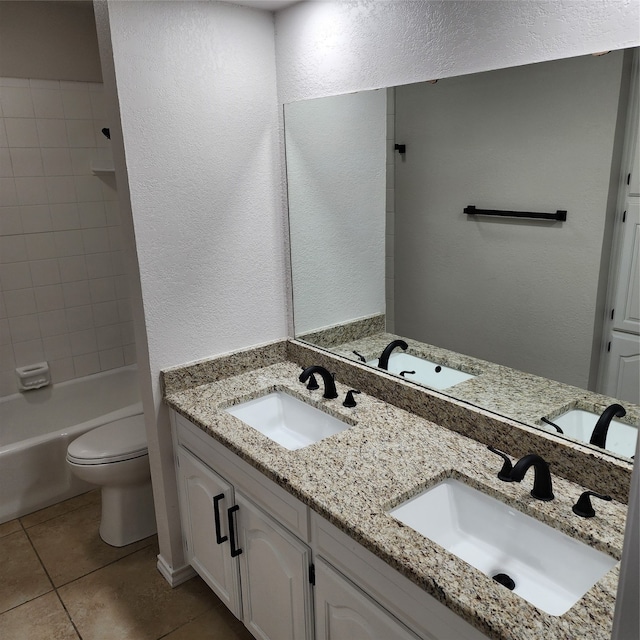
115 457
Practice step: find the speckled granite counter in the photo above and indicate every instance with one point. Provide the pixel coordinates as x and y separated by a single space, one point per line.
508 392
354 477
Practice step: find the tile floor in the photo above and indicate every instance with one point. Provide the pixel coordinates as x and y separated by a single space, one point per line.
59 581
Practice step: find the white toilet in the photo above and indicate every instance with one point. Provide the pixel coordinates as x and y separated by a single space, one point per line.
115 456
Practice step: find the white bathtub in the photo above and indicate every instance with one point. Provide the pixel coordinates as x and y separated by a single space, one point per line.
37 426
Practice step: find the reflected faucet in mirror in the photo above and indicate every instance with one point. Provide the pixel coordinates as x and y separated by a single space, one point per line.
599 435
383 362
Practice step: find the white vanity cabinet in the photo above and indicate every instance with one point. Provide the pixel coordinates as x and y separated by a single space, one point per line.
267 582
201 493
345 611
274 570
258 568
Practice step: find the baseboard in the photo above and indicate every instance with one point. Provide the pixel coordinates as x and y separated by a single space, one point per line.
172 575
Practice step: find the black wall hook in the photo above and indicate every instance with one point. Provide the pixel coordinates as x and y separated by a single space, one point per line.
401 148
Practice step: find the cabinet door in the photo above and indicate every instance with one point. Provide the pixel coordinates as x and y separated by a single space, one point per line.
274 569
343 611
199 486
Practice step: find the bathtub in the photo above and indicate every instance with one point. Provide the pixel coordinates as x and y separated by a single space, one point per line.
37 426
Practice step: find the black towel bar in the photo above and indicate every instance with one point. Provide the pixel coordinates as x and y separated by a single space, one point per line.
560 214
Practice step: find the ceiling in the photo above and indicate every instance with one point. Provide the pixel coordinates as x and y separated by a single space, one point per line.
267 5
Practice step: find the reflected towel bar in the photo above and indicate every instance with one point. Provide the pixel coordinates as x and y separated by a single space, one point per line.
558 215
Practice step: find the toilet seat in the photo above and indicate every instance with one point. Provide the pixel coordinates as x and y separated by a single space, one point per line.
117 441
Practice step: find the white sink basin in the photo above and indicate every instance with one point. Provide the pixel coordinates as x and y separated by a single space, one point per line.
290 422
428 373
550 570
579 424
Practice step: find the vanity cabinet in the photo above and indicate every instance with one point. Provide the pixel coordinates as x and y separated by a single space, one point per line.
200 488
274 572
281 548
256 567
345 611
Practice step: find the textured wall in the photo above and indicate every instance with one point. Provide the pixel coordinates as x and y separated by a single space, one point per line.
196 84
336 176
328 48
196 126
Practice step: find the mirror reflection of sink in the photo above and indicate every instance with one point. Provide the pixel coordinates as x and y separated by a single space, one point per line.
288 421
579 424
428 373
550 569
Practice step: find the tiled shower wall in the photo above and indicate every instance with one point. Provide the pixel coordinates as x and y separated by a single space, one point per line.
63 288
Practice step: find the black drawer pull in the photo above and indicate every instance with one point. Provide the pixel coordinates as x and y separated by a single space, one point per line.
216 515
232 531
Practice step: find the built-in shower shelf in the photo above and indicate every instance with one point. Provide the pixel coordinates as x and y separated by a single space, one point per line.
102 169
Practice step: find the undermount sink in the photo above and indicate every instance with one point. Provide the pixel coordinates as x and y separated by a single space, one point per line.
548 568
579 424
424 371
288 421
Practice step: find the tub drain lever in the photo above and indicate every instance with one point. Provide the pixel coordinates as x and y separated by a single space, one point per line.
33 376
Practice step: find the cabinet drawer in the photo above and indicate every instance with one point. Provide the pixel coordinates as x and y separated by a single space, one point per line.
292 513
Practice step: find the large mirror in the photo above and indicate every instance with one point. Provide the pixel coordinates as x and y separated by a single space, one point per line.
503 312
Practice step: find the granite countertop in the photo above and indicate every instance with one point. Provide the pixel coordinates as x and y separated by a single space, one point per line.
354 477
508 392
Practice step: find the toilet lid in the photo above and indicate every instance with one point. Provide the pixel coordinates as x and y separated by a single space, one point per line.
116 441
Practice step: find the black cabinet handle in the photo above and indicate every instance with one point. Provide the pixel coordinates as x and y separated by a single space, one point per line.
216 516
232 531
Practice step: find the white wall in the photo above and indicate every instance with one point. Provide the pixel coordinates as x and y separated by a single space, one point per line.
534 138
198 132
336 176
49 41
328 48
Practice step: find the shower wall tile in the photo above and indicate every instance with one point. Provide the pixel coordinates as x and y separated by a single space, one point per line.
21 132
10 221
63 289
8 193
47 103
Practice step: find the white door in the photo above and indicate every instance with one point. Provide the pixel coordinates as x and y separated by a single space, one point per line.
274 569
202 493
623 373
344 612
626 315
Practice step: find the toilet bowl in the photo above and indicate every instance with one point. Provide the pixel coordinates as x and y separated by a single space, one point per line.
115 457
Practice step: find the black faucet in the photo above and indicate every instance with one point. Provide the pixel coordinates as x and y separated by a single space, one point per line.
599 435
542 476
383 362
329 383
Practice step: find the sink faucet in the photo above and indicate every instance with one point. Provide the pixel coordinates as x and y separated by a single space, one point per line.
383 362
329 384
542 476
599 435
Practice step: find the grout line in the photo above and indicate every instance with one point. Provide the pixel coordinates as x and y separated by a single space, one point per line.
55 516
73 624
104 566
